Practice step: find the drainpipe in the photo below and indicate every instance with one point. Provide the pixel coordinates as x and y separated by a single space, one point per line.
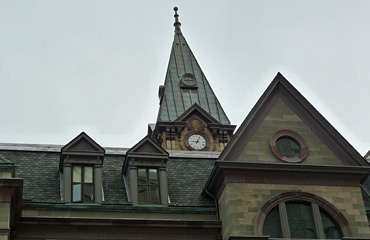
216 203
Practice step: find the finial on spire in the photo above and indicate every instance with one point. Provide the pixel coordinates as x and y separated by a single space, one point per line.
177 24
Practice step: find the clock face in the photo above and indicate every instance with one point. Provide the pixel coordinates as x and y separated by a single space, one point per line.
197 141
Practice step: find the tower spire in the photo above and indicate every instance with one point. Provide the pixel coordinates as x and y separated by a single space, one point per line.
177 24
188 107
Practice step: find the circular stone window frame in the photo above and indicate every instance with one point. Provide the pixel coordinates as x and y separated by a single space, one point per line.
296 137
194 83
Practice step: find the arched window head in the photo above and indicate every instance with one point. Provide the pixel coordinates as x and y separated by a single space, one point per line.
301 215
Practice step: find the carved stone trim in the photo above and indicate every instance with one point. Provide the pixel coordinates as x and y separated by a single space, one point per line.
195 124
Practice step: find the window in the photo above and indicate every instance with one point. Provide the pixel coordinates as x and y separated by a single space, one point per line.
148 186
188 80
301 215
80 166
145 173
300 220
5 174
288 146
83 184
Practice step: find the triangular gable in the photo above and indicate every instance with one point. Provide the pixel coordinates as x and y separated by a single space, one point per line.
196 109
82 143
4 161
147 146
281 90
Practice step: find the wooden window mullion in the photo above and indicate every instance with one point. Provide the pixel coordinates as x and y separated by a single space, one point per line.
148 186
284 220
318 221
82 182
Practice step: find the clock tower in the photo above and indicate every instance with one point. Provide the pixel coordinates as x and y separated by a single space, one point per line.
190 116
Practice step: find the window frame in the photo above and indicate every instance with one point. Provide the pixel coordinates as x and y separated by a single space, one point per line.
82 182
297 196
316 218
185 84
287 133
148 186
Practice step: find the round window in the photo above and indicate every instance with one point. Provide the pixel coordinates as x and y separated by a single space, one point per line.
188 80
288 146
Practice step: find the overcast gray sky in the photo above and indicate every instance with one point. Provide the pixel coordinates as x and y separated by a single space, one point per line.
95 66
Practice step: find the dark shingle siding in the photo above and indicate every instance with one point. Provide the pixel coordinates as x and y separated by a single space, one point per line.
114 188
186 179
40 172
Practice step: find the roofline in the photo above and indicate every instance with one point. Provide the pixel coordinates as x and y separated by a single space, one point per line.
222 168
120 208
30 147
126 222
20 147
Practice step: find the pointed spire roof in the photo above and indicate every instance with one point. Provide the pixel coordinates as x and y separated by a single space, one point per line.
177 95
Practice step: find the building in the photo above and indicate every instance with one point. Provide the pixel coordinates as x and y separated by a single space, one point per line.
285 173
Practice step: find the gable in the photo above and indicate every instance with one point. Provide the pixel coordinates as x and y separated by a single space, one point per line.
196 110
83 143
281 116
282 107
147 145
147 148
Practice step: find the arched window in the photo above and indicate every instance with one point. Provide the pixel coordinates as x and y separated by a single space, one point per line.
301 215
300 220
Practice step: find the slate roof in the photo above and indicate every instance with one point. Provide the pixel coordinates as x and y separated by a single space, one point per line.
41 178
177 100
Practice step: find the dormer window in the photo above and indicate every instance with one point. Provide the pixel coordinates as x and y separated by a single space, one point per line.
7 168
145 173
80 167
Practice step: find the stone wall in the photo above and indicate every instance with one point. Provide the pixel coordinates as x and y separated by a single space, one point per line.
239 204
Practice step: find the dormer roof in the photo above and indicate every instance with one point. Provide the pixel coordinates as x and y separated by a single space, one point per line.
146 148
81 145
